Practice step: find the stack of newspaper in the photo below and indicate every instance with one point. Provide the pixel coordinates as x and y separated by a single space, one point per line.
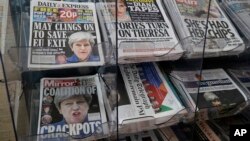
149 97
144 32
72 105
239 12
64 34
191 19
213 92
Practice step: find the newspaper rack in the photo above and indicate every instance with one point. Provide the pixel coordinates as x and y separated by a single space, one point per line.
28 107
16 57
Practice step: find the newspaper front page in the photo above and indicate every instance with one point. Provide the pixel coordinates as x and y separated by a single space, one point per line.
239 11
221 34
216 88
143 30
64 34
149 94
72 105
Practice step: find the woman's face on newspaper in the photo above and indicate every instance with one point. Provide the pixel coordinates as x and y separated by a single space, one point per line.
121 7
82 49
74 109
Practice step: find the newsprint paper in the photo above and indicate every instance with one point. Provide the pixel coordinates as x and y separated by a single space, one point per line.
190 18
72 105
144 31
149 94
217 89
64 34
238 11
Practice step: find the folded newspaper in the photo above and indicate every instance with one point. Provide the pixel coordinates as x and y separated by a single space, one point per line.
150 96
64 34
144 31
72 105
190 18
238 11
217 90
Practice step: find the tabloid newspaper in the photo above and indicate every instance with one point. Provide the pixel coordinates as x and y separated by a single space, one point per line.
64 34
144 31
4 5
217 89
190 18
238 11
149 94
72 105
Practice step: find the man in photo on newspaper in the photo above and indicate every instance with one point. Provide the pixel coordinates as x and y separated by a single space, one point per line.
82 44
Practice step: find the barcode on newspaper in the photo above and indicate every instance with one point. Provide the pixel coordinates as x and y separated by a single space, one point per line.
43 59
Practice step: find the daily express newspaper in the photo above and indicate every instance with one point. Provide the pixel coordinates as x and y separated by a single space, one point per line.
143 30
239 11
221 35
72 105
149 94
64 34
216 88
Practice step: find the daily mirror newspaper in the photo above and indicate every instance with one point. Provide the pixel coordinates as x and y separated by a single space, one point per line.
72 105
64 34
144 31
190 18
